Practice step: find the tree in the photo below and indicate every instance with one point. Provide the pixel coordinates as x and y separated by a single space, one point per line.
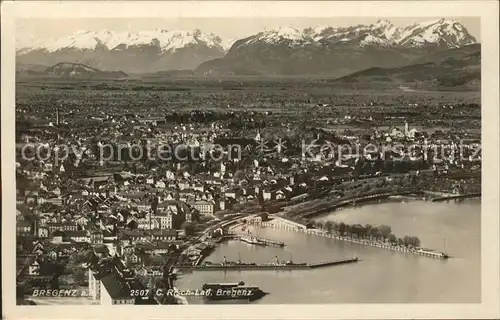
368 231
416 242
188 228
336 227
400 242
413 241
385 231
357 230
133 225
406 241
329 226
362 231
348 230
392 239
318 224
342 228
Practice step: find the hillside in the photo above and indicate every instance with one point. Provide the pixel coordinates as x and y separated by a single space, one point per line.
455 53
455 69
69 70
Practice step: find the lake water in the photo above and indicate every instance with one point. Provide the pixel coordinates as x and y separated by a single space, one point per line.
382 276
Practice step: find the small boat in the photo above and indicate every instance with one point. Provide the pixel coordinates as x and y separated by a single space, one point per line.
287 263
252 240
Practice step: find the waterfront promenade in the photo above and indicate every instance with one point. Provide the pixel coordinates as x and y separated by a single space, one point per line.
285 224
333 204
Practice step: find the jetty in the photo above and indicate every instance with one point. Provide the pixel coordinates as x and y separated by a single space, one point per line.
268 266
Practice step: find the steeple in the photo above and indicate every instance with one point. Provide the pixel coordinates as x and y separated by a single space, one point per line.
57 116
258 136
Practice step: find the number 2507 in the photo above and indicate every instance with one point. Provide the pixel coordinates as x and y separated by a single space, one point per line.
139 293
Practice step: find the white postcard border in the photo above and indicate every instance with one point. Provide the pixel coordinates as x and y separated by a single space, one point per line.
487 10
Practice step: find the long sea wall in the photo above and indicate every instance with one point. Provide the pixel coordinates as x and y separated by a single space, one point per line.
285 224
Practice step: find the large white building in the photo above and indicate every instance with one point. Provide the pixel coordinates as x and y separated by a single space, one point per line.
109 290
206 208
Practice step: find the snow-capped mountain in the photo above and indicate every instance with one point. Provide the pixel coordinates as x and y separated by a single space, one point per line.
144 51
228 43
326 49
282 50
447 33
91 40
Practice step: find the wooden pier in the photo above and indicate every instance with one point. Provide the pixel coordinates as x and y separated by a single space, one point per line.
332 263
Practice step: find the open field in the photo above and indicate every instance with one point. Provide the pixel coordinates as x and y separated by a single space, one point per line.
285 100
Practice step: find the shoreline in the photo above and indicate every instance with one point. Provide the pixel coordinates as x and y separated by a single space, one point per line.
377 199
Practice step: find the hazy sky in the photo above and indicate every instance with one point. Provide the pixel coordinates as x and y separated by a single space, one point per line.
226 28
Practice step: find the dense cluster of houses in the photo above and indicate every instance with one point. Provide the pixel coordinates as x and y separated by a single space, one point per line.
139 211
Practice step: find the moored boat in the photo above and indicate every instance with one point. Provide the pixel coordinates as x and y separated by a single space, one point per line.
232 291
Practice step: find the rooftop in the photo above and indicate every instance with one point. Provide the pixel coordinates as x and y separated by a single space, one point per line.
116 287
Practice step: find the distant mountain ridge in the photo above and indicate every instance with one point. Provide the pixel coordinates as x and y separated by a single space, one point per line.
285 50
461 68
71 70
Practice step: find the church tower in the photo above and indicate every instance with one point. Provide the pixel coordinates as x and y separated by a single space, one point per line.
258 137
57 116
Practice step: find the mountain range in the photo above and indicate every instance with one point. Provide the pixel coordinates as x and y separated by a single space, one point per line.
459 68
69 70
289 51
146 51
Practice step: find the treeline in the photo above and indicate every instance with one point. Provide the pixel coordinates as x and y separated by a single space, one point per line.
368 232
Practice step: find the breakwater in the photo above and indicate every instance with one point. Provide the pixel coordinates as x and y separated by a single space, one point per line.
271 266
284 224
